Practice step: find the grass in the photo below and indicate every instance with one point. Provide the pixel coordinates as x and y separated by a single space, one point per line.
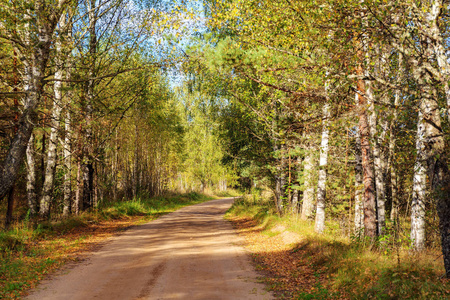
227 193
150 207
332 266
29 252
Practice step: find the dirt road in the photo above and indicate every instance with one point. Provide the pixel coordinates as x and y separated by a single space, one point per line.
192 253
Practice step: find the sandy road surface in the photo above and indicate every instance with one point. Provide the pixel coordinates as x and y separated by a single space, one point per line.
192 253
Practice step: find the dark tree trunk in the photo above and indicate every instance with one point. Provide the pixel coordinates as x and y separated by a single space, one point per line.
10 209
14 159
370 221
78 203
88 186
441 188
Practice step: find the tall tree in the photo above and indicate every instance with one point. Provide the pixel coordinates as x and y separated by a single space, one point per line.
321 185
60 58
33 43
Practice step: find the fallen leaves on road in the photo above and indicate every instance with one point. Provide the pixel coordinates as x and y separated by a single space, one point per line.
285 270
23 270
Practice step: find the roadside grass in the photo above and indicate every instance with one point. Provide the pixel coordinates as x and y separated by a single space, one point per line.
332 266
28 252
228 193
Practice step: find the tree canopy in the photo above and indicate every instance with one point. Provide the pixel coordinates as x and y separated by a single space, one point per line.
340 108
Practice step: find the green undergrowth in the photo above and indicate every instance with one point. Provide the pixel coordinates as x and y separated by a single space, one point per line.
149 207
30 250
348 268
227 193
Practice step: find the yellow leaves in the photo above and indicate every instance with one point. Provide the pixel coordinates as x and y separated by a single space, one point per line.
234 12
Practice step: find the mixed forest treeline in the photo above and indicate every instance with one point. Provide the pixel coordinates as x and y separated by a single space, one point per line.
88 112
341 108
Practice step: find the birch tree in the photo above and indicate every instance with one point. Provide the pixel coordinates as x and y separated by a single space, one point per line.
321 184
308 193
60 58
31 177
359 191
431 156
33 43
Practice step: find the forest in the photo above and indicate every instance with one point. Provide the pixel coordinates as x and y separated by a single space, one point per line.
337 111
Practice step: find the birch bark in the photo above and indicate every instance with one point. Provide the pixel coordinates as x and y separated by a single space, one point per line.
295 192
439 49
34 74
323 160
392 142
31 177
47 189
430 147
359 187
421 52
308 193
67 150
419 190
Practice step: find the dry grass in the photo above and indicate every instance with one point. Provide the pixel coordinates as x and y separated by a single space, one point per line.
28 253
299 264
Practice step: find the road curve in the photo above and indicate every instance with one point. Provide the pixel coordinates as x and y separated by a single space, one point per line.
192 253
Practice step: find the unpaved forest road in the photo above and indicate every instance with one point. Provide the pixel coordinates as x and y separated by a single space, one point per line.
189 254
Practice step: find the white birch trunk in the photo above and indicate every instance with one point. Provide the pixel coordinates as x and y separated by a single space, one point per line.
68 164
31 177
47 189
308 193
419 191
30 154
321 184
35 61
392 141
67 143
295 192
430 144
439 49
359 187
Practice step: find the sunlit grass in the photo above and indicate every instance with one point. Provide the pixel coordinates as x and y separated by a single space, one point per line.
30 251
346 267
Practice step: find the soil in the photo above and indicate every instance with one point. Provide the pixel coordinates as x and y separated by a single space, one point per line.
192 253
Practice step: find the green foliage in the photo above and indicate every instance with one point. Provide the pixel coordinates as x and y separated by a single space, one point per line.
322 293
126 208
254 206
203 153
228 193
13 240
27 253
353 270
